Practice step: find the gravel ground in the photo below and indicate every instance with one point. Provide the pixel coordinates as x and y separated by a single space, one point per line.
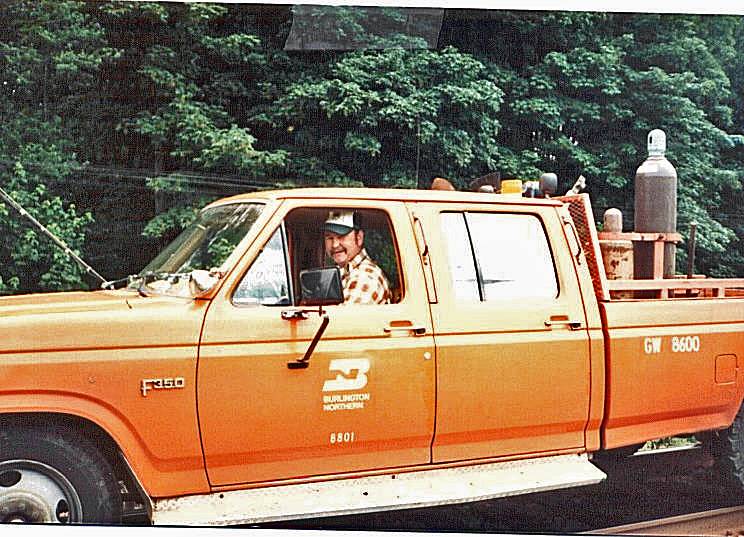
639 488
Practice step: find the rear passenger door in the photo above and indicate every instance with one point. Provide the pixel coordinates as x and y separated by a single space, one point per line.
512 347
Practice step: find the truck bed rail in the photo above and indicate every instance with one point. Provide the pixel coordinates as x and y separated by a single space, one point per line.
671 288
681 288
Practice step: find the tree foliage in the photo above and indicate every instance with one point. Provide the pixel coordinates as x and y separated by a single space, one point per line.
138 112
388 118
49 60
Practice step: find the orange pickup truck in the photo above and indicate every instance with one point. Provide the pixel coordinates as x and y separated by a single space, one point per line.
227 382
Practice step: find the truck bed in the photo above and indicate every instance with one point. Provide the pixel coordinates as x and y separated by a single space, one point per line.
672 367
672 348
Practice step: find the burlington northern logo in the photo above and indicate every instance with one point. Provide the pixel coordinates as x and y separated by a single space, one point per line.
351 374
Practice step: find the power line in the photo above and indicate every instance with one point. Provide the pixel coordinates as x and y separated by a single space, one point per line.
197 180
174 177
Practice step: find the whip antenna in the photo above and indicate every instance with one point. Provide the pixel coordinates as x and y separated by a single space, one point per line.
59 242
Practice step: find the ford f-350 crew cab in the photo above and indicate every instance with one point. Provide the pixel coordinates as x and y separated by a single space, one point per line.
222 387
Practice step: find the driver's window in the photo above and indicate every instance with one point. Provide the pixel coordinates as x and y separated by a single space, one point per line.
306 247
266 282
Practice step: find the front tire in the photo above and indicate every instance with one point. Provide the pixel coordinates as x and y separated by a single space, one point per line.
50 475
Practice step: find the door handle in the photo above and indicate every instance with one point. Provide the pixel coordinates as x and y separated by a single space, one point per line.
405 326
572 324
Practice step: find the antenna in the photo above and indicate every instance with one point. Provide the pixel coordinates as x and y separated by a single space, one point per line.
59 242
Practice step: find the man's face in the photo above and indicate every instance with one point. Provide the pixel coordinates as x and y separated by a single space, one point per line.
343 248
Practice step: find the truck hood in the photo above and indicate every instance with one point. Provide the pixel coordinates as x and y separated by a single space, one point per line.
69 302
97 319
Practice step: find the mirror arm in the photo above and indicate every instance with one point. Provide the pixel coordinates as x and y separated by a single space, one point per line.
304 362
300 314
294 314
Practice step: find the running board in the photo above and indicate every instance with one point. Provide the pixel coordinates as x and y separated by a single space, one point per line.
422 488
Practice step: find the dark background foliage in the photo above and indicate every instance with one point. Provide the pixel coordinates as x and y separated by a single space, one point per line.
120 119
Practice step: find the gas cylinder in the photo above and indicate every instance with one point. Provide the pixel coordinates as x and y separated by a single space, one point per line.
655 206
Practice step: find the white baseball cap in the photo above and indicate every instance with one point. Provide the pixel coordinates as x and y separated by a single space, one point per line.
341 222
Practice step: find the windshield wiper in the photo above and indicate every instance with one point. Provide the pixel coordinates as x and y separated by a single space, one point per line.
150 276
111 284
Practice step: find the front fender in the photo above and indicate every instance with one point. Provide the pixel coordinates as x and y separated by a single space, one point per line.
161 472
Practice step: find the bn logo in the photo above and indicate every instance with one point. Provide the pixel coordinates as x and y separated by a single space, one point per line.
350 374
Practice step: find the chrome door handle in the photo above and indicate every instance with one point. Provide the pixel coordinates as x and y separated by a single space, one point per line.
573 325
418 330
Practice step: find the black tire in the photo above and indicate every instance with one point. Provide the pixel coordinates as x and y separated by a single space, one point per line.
48 473
727 448
623 452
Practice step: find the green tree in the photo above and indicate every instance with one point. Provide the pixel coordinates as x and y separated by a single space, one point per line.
192 74
141 112
586 109
391 114
48 58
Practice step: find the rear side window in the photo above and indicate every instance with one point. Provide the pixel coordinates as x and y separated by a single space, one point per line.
494 256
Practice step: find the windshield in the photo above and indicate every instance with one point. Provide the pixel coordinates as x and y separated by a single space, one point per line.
204 245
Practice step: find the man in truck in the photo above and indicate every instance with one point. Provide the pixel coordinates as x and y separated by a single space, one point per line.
363 281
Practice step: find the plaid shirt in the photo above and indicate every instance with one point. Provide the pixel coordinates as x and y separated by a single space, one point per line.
364 282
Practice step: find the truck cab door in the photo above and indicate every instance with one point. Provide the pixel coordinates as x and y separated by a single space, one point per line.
366 399
513 362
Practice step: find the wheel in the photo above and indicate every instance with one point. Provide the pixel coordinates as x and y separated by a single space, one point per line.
47 475
625 451
614 462
727 448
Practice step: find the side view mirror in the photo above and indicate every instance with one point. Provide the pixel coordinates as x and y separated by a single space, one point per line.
321 287
201 281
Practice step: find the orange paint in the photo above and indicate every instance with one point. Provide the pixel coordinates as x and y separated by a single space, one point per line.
476 380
